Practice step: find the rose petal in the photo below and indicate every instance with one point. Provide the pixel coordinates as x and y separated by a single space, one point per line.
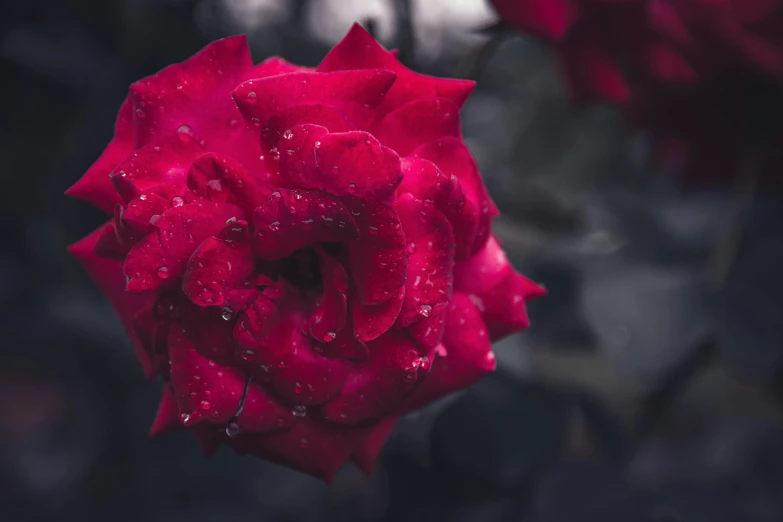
430 248
428 332
503 306
359 50
165 162
454 159
162 256
329 315
216 267
355 94
294 219
467 355
419 122
260 413
205 391
167 417
312 114
427 182
223 180
372 321
378 258
366 456
378 387
545 18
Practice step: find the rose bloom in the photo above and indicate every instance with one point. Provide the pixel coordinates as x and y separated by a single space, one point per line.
702 77
302 255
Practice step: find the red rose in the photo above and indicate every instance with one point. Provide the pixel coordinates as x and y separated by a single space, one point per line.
701 76
302 255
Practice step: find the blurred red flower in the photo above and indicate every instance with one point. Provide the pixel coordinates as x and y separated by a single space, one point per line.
302 255
703 77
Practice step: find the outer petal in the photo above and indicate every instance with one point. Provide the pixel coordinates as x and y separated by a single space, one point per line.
430 247
379 387
95 187
356 94
378 258
359 50
205 391
366 456
107 275
163 255
419 122
454 159
167 417
293 219
466 355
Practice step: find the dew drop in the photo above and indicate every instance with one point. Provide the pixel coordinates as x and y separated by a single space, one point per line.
372 230
274 153
184 133
424 310
288 134
274 226
329 337
411 248
233 430
177 202
297 388
352 188
185 417
140 114
205 405
226 313
163 272
251 98
299 410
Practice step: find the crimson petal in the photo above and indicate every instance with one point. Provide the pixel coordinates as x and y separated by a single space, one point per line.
167 418
205 391
372 321
223 180
330 314
163 255
419 122
430 249
356 94
216 267
378 258
293 219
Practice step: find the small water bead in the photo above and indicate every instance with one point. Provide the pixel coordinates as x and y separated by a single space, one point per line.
185 133
372 230
177 202
226 313
289 134
233 429
297 388
205 405
251 97
274 226
163 272
274 153
299 410
424 310
185 417
140 114
329 337
352 188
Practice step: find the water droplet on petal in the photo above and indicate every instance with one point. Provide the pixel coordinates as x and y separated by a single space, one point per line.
205 405
297 388
329 337
288 134
227 313
177 202
352 188
251 98
163 272
274 226
184 133
299 410
274 153
185 417
372 230
233 430
424 310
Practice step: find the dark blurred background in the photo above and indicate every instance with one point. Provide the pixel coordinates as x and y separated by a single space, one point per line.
644 391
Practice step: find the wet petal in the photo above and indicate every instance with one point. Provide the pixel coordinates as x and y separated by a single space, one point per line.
162 256
378 258
216 267
366 456
419 122
329 315
293 219
167 417
205 391
372 321
430 247
223 180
